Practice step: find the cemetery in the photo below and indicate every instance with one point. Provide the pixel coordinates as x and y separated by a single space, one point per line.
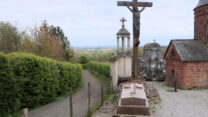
41 75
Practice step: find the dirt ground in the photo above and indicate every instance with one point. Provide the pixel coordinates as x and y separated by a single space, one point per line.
184 103
80 101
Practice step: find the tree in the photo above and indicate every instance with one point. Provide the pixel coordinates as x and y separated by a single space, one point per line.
28 44
48 45
48 41
10 38
59 34
84 59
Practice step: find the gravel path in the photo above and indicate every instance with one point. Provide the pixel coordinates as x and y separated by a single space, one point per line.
184 103
80 101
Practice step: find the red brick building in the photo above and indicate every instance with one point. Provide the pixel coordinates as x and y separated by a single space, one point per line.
201 21
187 60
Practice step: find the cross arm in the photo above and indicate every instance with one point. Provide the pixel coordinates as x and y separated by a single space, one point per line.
137 4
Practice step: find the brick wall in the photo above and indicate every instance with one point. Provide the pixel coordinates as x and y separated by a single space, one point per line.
195 74
200 23
173 68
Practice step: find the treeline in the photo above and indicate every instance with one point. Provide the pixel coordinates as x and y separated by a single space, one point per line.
28 81
92 55
44 40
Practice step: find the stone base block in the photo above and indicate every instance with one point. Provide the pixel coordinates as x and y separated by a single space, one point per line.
133 109
133 101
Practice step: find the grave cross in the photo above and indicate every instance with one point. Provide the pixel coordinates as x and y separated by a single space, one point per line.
136 28
123 20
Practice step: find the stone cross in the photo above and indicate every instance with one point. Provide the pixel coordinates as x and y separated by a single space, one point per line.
136 28
134 3
123 20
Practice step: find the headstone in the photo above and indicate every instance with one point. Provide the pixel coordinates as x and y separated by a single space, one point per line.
153 67
133 100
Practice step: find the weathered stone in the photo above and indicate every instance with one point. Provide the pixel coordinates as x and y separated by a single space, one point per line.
133 94
133 100
134 110
121 63
151 91
151 62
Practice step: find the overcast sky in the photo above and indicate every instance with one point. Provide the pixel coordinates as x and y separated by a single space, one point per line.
94 23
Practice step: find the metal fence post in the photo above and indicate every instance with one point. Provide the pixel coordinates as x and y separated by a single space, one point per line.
175 84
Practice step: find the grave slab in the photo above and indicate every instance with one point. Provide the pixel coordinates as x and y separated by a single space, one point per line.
133 100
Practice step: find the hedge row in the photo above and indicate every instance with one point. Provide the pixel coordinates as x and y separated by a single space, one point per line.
29 81
99 67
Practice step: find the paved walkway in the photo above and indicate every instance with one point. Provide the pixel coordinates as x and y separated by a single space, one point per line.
80 101
184 103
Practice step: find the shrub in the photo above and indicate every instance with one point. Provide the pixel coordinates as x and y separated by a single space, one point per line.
8 89
84 59
99 67
30 81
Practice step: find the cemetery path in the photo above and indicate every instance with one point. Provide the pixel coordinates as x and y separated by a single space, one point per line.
80 101
184 103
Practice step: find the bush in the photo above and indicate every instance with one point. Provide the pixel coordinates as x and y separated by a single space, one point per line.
34 81
8 89
100 67
84 59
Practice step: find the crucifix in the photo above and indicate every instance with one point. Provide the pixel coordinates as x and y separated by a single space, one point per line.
136 28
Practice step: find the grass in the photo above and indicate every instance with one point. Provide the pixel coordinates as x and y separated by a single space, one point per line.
108 95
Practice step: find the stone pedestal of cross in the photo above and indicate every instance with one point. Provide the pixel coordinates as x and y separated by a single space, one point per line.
136 28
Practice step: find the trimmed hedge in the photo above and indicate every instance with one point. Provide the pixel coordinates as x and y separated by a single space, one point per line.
28 81
102 68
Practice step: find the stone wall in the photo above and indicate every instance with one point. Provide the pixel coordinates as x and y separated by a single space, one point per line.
200 24
120 69
114 73
124 66
195 74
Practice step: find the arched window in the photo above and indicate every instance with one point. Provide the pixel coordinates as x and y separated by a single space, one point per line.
172 54
206 33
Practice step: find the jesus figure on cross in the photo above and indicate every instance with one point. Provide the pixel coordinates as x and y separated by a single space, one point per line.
136 28
136 21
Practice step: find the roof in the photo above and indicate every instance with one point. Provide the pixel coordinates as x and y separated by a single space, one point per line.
202 3
146 46
190 50
150 45
123 31
118 55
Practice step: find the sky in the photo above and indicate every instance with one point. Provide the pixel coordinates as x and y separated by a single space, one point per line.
94 23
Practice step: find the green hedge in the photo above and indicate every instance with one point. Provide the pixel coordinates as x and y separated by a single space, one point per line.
29 81
102 68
